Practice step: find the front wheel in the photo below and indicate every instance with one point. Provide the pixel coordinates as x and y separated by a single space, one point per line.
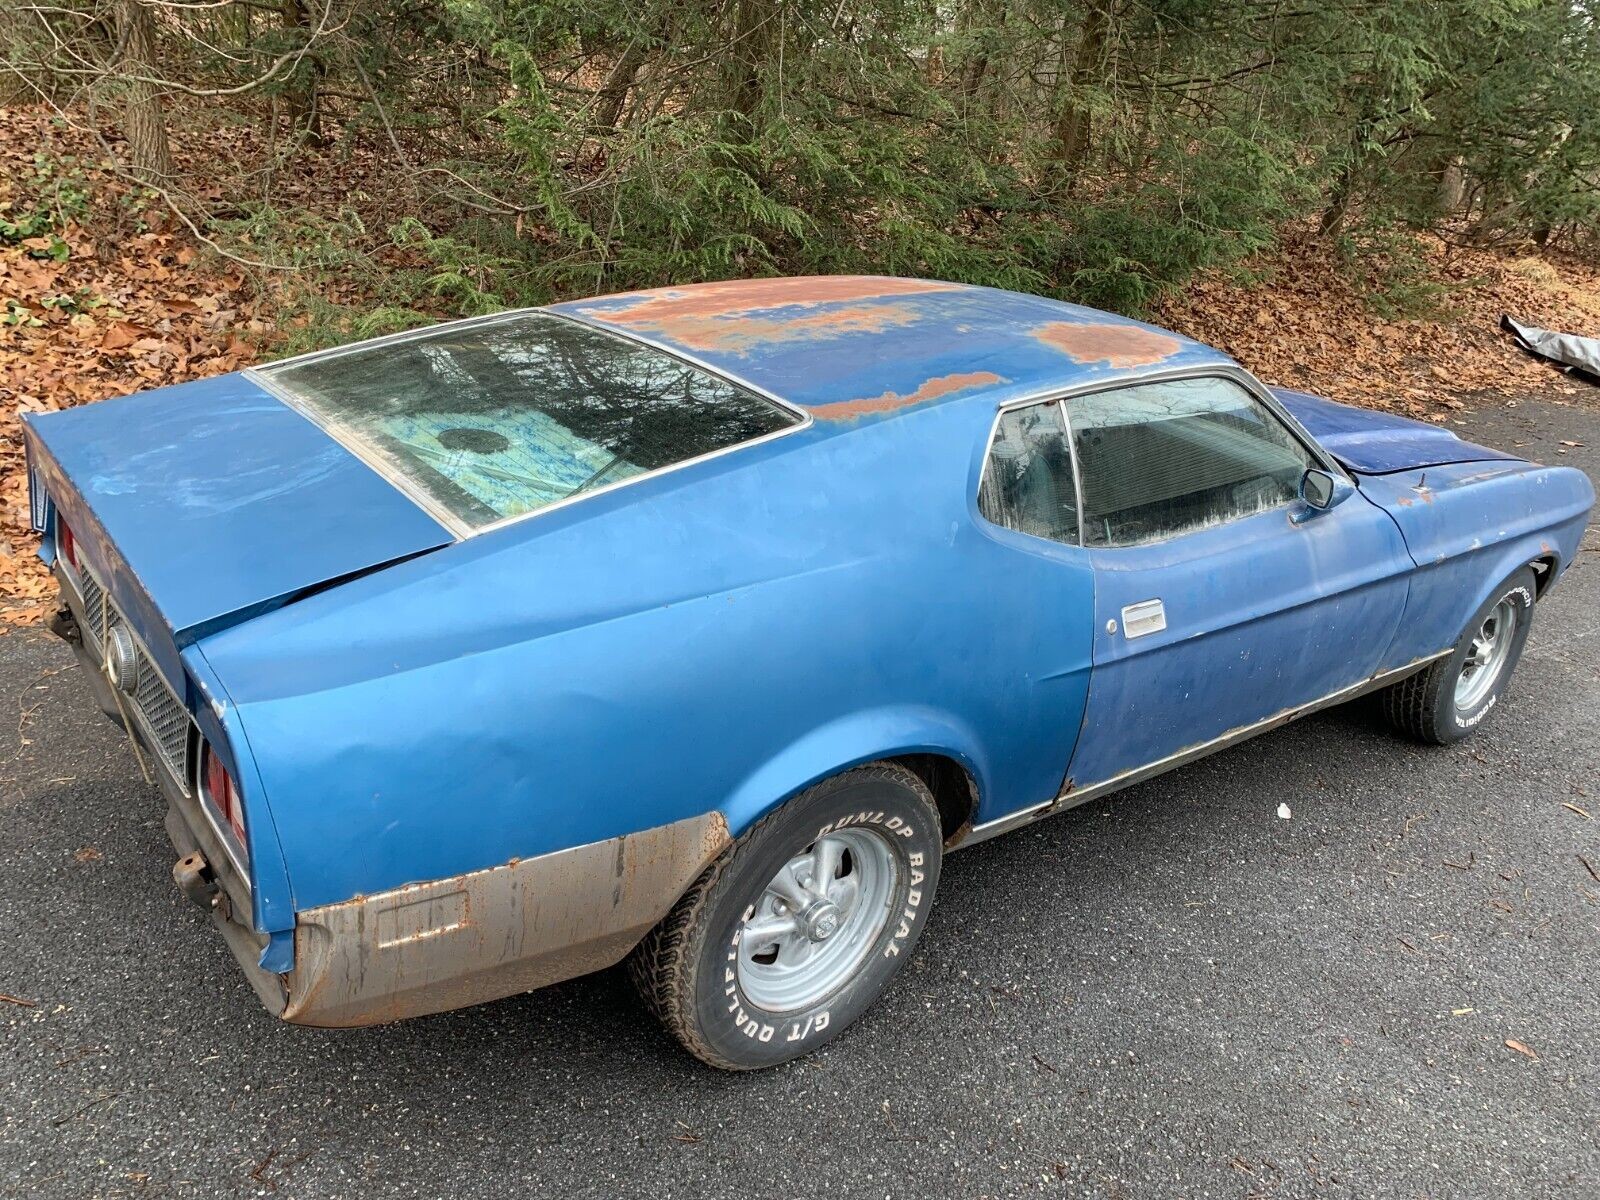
797 929
1449 699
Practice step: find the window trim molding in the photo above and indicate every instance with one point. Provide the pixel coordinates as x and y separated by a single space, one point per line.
1231 372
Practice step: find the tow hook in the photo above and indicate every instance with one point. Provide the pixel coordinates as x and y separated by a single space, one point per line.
195 879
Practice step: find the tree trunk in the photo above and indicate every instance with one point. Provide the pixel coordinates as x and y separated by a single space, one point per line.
976 16
1344 184
1333 217
1074 122
1450 188
143 123
972 76
613 94
1498 211
755 24
301 101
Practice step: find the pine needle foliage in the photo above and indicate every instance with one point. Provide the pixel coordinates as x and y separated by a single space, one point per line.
1098 150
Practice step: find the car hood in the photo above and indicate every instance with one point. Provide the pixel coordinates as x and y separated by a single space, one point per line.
205 502
1376 443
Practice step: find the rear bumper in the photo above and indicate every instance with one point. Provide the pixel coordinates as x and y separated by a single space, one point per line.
185 823
448 943
431 947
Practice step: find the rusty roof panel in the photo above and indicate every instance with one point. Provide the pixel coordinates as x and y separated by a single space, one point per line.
931 389
862 348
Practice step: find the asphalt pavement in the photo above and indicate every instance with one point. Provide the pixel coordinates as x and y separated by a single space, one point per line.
1175 992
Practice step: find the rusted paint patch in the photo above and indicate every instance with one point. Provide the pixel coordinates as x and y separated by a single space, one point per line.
731 316
1117 345
736 297
740 335
940 385
429 947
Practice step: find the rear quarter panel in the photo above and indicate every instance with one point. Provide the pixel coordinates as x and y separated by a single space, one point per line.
714 639
1469 526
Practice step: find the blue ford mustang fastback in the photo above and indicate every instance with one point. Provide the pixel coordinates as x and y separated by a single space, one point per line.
692 627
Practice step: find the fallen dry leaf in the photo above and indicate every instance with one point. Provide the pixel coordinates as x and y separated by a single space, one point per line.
120 334
1522 1048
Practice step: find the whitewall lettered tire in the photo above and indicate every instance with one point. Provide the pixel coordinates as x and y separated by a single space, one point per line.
797 929
1447 700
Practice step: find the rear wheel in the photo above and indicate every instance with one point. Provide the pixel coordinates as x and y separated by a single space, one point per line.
1449 699
797 929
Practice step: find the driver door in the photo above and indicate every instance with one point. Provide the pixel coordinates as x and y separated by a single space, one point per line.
1222 599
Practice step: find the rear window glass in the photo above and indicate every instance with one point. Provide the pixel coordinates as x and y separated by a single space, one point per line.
485 422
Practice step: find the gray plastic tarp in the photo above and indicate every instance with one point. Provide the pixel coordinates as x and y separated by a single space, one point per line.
1580 355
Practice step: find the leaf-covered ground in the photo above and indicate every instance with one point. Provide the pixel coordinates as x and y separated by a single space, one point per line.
1312 322
103 292
110 296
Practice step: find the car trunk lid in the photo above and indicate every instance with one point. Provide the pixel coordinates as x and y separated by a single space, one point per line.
1378 443
201 504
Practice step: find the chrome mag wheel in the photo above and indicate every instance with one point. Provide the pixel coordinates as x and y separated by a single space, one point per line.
817 920
1487 656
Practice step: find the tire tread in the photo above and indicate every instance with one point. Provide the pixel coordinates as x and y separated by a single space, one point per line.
1409 706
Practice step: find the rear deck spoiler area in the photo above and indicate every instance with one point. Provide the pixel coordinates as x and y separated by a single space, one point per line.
202 504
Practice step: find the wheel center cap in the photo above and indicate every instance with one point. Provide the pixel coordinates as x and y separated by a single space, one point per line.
822 922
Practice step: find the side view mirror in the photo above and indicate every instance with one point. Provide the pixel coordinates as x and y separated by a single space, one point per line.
1316 489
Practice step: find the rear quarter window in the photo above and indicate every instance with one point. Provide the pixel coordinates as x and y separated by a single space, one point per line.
1027 482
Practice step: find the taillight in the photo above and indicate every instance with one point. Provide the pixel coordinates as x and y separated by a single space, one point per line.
218 791
66 544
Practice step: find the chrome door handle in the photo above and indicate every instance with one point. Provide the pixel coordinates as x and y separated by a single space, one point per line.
1147 616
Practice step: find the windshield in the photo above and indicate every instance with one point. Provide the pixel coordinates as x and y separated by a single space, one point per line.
484 422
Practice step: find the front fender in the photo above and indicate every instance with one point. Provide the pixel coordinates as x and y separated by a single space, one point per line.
1468 527
861 737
